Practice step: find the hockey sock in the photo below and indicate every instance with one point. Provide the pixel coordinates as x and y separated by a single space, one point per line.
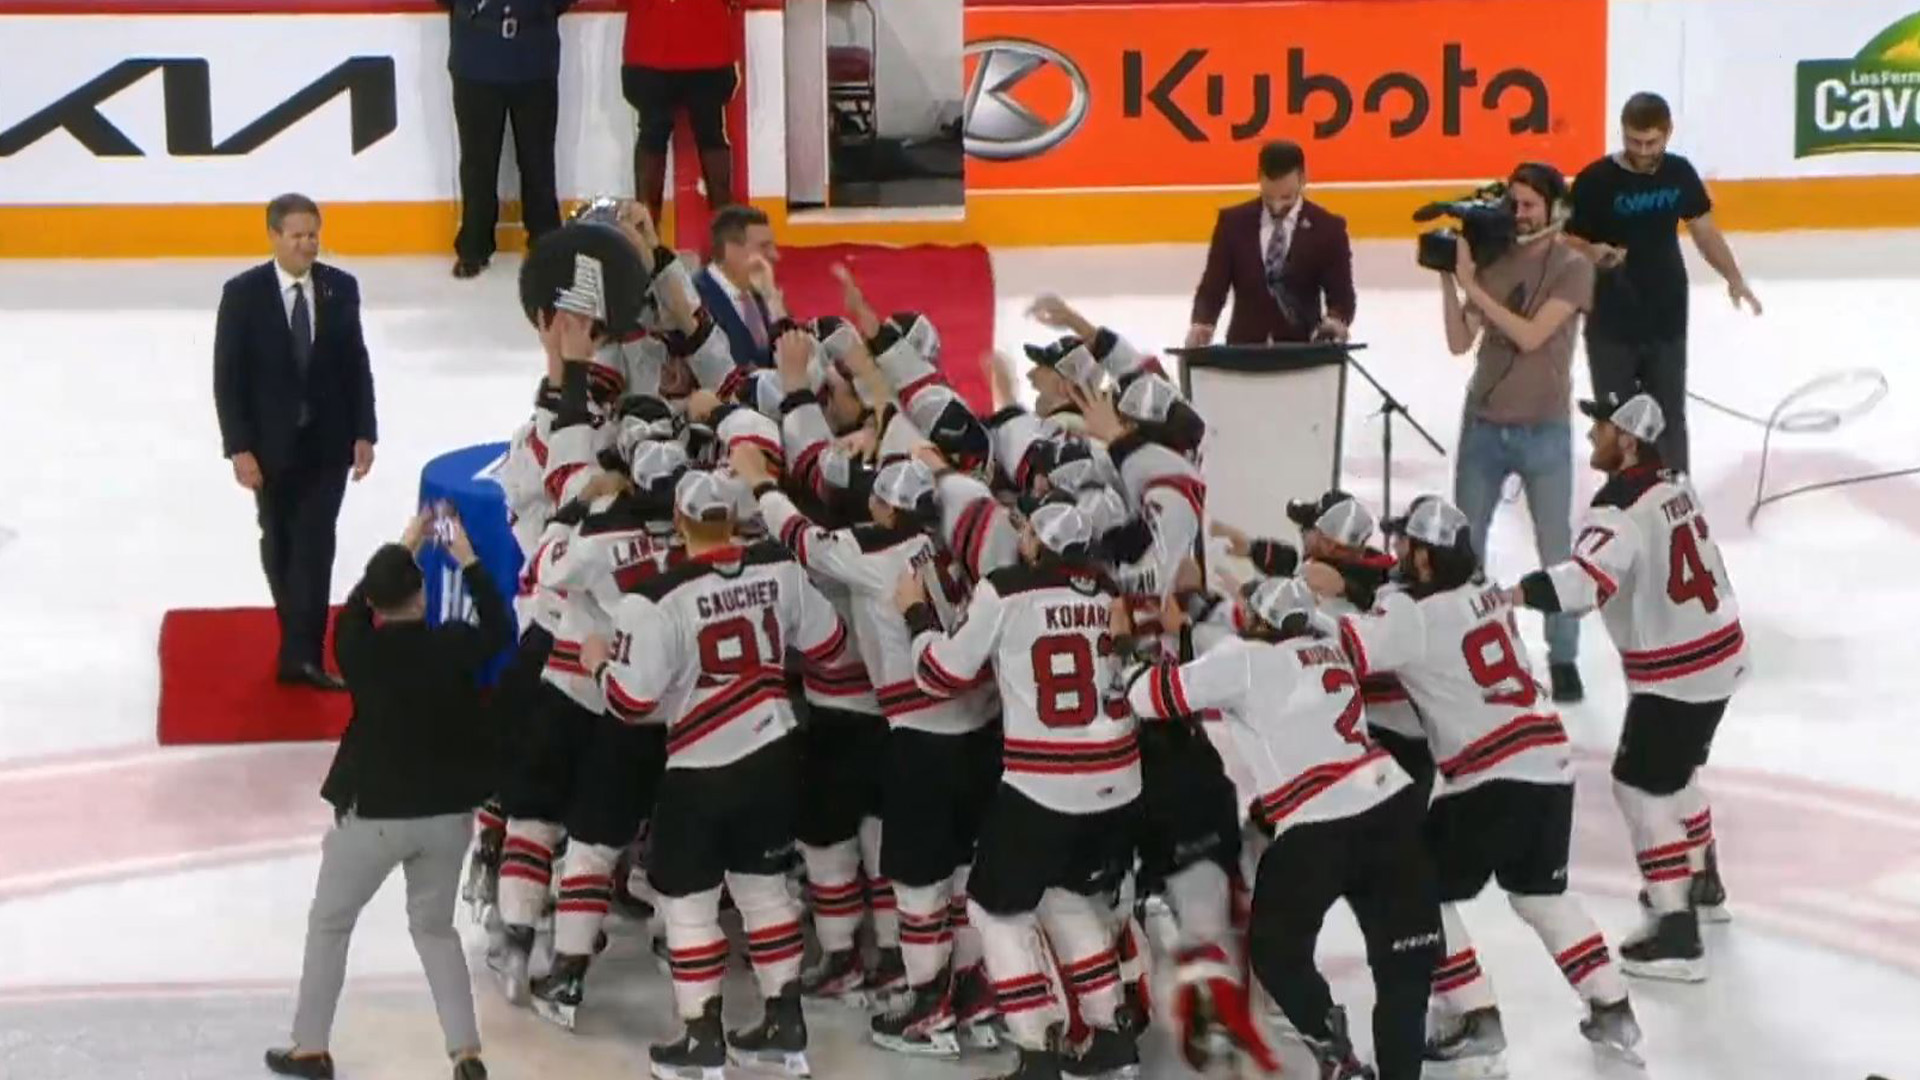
1020 984
696 950
925 939
1696 817
1201 896
1660 844
771 918
586 894
526 870
1459 986
1570 934
1080 928
886 916
490 818
966 940
834 891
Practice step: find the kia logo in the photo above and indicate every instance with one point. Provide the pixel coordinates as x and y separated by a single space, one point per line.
999 128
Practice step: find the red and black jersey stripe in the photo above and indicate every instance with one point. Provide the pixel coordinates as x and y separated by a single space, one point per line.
1668 862
837 901
970 533
773 944
556 481
924 929
1503 742
1190 488
625 706
537 448
1356 651
1382 690
590 894
745 694
1675 661
565 658
1583 959
1277 804
1602 581
845 680
1048 757
1165 692
527 860
1456 971
1095 973
899 699
942 683
829 648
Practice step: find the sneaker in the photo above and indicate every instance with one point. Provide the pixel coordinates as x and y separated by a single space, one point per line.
1335 1052
779 1042
290 1062
1567 688
467 268
1612 1028
700 1053
924 1026
469 1069
1669 948
1474 1047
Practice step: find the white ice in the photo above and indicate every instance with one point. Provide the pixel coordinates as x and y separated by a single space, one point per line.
115 506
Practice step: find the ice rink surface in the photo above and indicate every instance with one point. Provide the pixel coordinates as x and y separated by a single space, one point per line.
152 902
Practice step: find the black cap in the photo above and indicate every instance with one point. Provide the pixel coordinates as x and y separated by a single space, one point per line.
392 577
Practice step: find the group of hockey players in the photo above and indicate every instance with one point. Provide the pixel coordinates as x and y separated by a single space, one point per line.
962 720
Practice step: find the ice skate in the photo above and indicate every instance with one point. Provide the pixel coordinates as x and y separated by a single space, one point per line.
924 1025
1335 1052
1707 893
838 976
888 979
1034 1065
1668 948
558 994
1108 1054
1612 1028
700 1053
1472 1047
510 961
975 1011
779 1042
481 889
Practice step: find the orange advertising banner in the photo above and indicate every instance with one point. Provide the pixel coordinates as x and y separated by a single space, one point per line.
1181 95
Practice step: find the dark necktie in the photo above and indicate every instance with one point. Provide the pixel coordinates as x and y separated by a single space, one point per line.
758 322
302 323
1276 260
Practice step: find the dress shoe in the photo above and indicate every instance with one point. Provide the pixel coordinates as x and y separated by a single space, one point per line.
311 675
313 1067
469 1069
464 268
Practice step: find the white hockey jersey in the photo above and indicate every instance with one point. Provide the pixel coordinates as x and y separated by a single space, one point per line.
1069 745
1167 490
1389 707
592 565
702 648
1460 657
1645 557
1296 716
869 561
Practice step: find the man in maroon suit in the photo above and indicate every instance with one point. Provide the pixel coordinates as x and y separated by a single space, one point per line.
1280 255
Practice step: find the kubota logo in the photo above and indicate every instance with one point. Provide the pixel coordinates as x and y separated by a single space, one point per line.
1001 126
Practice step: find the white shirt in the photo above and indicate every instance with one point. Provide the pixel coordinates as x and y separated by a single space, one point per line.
288 283
1287 223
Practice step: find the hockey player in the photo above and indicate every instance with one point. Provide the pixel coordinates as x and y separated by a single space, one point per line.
613 551
1057 838
942 758
1504 807
701 648
1645 558
1345 821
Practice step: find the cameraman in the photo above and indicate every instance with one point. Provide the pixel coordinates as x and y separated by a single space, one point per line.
1524 308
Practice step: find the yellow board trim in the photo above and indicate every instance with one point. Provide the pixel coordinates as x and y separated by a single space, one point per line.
1012 219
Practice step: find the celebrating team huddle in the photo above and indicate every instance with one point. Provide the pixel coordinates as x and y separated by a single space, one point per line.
978 683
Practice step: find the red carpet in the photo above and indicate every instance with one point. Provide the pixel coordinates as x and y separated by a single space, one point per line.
217 686
953 286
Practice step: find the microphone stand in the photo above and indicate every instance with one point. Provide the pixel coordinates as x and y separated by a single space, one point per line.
1388 406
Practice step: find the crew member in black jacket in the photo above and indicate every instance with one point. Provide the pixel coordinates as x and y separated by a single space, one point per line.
294 391
411 767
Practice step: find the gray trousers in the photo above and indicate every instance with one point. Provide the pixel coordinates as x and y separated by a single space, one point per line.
1658 368
354 859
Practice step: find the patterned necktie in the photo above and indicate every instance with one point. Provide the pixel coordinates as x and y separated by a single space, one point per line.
301 322
1276 259
757 320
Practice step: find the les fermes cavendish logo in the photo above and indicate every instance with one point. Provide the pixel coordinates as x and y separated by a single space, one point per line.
1870 102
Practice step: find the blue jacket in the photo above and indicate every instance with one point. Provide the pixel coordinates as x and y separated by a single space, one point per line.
747 353
480 49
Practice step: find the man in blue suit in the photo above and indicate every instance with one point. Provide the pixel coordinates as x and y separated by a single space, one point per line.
294 391
737 286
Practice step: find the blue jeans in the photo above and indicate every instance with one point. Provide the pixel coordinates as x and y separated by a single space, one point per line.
1542 456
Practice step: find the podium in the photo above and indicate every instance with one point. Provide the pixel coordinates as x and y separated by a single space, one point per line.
1275 416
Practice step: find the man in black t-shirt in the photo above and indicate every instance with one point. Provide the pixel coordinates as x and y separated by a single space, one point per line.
1627 208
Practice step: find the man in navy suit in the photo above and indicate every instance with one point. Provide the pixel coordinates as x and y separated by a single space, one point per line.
737 286
294 391
1288 262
